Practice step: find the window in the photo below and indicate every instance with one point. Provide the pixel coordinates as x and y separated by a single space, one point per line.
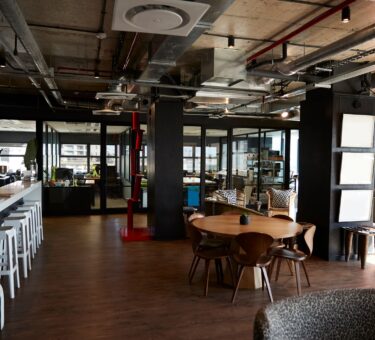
11 156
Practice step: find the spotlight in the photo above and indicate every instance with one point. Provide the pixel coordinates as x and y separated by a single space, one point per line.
231 41
285 114
3 61
345 15
96 74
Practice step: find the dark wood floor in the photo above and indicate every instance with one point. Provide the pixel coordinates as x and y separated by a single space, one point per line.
87 284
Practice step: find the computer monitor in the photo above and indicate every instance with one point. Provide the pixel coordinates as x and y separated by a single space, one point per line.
64 174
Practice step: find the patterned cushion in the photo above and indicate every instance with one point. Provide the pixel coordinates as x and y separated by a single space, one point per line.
280 198
229 195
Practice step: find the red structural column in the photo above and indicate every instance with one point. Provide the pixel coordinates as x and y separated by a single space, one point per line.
128 232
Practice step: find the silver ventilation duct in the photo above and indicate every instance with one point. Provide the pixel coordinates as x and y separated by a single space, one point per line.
323 53
16 20
173 47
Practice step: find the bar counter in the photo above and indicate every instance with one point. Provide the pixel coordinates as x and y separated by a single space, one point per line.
13 192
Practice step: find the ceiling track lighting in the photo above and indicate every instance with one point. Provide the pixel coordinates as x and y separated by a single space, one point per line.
345 15
231 41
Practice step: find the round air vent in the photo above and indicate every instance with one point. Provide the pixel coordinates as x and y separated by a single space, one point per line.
157 17
169 17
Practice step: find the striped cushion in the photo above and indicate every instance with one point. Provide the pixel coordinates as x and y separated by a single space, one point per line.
280 198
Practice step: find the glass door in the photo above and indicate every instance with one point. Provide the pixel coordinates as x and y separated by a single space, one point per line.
245 153
216 160
192 165
272 161
118 185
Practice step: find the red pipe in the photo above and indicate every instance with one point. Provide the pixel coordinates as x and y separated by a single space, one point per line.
312 22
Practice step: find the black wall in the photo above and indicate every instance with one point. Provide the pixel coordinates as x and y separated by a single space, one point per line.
320 162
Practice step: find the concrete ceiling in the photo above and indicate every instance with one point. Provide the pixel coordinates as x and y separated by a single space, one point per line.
67 31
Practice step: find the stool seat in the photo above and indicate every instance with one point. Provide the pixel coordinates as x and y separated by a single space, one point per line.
23 240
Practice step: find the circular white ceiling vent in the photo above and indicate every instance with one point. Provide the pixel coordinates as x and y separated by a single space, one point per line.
157 17
170 17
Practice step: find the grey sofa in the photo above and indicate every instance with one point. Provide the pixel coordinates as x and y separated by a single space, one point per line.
333 314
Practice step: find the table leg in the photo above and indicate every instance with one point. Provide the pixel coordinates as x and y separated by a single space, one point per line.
348 244
363 249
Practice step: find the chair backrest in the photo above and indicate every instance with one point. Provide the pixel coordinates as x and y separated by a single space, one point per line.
309 239
254 245
333 314
283 217
194 234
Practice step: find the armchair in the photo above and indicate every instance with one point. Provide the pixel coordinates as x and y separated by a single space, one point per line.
281 202
235 197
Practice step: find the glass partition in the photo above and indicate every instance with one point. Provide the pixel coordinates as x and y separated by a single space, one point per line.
216 160
14 138
245 162
294 170
192 165
272 161
118 186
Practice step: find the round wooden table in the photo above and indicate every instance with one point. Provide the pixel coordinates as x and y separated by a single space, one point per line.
229 225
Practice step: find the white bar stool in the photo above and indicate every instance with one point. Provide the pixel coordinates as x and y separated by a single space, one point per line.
8 256
34 233
39 218
29 227
23 240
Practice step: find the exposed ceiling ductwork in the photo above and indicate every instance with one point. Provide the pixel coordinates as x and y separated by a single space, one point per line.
16 20
325 52
173 47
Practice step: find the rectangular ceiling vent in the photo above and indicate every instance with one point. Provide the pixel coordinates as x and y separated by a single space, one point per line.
168 17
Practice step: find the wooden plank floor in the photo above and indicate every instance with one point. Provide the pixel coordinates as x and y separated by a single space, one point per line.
87 284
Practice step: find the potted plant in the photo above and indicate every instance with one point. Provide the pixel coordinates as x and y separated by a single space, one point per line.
244 219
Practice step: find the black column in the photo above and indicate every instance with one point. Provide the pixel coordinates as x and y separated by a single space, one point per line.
164 169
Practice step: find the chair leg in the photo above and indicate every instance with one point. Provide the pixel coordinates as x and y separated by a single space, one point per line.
218 272
197 259
207 276
270 268
265 279
278 268
238 283
307 276
298 277
290 267
231 271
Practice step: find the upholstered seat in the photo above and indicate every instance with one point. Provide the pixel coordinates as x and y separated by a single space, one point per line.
281 202
235 197
333 314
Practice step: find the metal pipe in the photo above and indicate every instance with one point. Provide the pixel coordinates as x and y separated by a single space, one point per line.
22 66
14 16
254 64
339 46
304 27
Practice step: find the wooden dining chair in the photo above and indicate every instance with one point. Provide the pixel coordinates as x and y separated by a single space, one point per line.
297 255
254 247
209 249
